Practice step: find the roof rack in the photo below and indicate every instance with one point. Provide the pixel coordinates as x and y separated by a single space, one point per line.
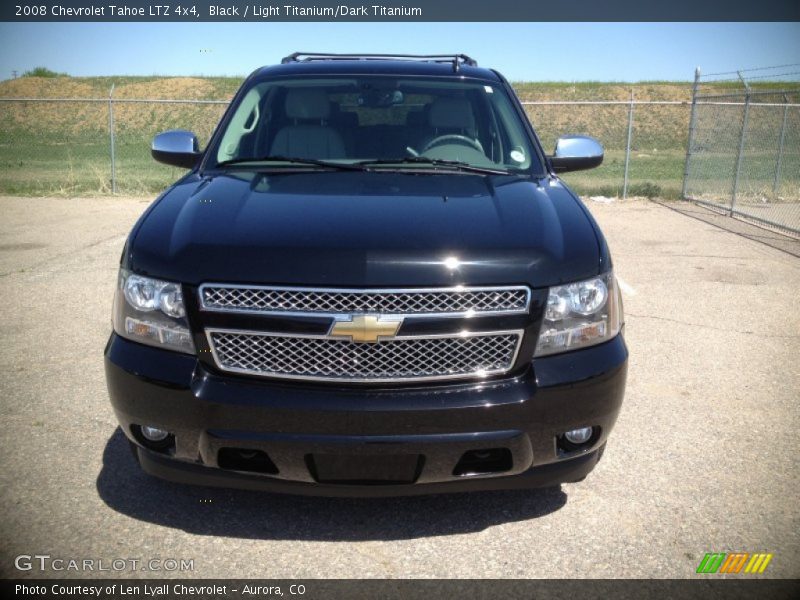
455 59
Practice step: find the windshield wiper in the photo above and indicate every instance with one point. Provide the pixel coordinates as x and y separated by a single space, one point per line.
293 160
436 162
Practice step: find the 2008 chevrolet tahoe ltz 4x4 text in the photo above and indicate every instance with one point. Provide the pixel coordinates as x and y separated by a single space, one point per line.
371 282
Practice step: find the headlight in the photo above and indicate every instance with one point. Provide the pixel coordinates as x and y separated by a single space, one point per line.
580 314
151 312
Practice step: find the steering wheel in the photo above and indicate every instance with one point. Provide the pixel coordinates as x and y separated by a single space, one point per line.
453 137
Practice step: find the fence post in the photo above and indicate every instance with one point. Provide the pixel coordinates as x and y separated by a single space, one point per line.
628 147
111 139
692 125
742 137
777 180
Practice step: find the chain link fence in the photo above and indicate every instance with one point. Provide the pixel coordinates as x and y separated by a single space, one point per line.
135 124
54 147
644 142
98 146
65 146
743 155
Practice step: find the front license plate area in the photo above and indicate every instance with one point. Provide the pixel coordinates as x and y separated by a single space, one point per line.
360 469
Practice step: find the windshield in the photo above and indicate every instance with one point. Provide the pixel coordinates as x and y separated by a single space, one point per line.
376 120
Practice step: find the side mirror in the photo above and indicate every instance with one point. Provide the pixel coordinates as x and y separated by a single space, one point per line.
177 147
576 153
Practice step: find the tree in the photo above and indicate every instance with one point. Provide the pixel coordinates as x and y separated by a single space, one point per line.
43 72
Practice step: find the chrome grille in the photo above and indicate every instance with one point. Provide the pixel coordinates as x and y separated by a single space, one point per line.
332 301
399 359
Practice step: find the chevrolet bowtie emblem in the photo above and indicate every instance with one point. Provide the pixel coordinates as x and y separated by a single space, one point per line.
366 328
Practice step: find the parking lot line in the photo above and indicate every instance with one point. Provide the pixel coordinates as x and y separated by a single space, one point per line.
625 287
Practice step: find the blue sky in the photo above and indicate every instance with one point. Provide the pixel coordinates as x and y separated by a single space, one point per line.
522 51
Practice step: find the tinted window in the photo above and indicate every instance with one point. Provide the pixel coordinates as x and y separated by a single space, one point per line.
353 119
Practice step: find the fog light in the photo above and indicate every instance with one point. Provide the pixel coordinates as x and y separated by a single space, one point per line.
154 434
579 436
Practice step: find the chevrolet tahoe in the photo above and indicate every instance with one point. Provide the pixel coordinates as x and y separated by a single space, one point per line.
371 281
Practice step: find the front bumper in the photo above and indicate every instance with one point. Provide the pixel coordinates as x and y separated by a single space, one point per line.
306 428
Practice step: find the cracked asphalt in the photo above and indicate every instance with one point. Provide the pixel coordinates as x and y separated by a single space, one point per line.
704 457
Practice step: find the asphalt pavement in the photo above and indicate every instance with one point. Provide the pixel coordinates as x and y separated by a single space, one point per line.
704 457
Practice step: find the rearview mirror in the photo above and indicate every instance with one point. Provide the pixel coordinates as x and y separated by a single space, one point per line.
576 153
381 98
177 147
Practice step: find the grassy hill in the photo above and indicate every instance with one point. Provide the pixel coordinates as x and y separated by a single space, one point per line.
63 147
222 88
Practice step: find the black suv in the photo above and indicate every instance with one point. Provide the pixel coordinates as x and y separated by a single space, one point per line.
371 282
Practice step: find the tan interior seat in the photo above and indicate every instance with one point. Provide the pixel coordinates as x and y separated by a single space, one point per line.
451 116
309 135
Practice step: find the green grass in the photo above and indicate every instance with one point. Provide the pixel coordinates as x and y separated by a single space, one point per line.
82 169
659 177
85 169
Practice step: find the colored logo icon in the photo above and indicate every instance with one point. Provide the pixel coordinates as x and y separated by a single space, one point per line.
736 562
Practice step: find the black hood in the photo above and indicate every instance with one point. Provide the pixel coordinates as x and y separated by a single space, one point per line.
367 229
